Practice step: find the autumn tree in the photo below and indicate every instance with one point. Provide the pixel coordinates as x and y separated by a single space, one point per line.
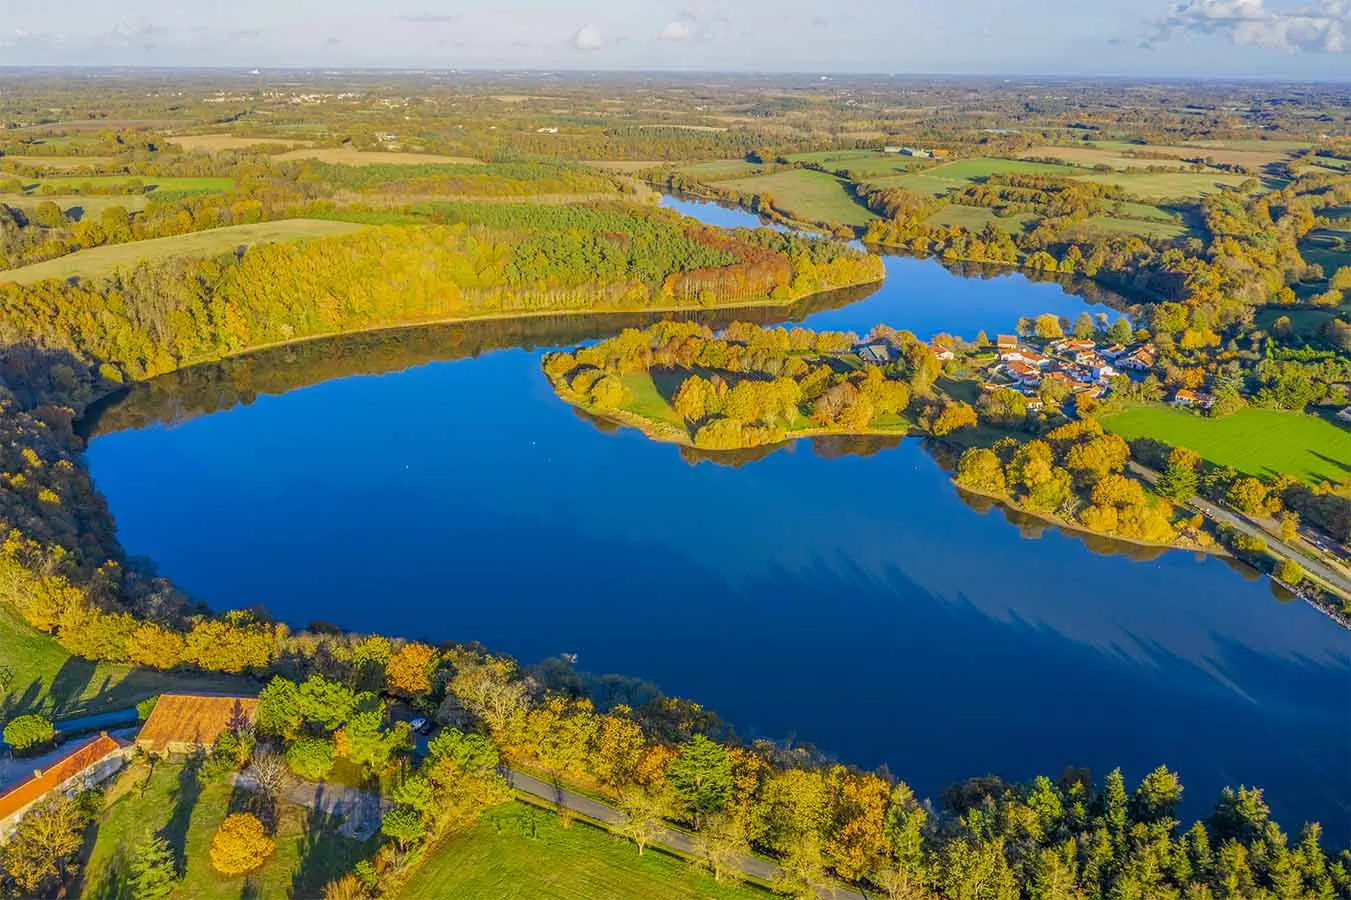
410 668
644 811
38 851
240 845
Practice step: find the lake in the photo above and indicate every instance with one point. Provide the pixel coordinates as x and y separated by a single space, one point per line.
428 483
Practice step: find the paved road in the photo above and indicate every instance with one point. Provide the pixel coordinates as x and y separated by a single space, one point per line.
751 866
1275 544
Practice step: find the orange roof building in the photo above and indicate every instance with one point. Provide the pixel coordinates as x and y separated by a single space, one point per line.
186 723
86 765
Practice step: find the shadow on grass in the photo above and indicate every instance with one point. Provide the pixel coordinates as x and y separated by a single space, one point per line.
324 854
186 795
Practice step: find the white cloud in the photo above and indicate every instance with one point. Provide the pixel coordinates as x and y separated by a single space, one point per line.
1321 28
588 37
678 30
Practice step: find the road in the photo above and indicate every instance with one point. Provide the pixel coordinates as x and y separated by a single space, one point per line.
1274 544
670 838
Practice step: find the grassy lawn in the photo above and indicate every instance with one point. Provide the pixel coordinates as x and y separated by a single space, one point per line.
975 218
805 194
648 401
186 807
102 261
1256 441
519 852
47 679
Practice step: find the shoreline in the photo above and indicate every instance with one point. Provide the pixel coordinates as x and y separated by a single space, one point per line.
664 433
408 324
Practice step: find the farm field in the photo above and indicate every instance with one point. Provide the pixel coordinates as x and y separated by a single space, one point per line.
720 169
975 218
1090 155
47 679
186 807
102 261
1144 227
519 852
58 162
77 183
805 194
88 204
1255 441
1169 185
348 157
212 142
860 165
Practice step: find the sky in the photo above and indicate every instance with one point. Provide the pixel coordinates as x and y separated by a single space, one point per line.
1248 38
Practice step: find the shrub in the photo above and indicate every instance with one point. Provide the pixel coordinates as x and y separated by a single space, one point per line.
240 845
28 732
311 758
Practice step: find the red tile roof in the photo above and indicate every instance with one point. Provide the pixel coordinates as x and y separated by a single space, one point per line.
57 774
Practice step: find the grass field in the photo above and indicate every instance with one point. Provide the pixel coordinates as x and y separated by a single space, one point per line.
94 203
58 162
648 401
1168 185
720 169
1329 248
186 809
975 218
73 183
47 679
348 157
1142 227
102 261
861 165
805 194
1090 155
1256 441
519 852
214 142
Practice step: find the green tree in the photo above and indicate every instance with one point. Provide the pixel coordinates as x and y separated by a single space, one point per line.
1157 797
1120 332
279 712
326 703
979 469
701 776
29 732
404 824
1084 328
49 215
311 758
152 872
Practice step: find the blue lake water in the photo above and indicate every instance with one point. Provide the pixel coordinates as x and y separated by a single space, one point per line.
855 602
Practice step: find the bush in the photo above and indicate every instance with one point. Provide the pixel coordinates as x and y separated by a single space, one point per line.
311 758
146 707
240 845
26 733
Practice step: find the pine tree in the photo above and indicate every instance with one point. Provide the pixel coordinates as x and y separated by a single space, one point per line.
152 869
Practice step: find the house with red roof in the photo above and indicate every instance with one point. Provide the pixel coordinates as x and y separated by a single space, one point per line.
87 764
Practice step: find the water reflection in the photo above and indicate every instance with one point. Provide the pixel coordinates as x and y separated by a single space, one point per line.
838 589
